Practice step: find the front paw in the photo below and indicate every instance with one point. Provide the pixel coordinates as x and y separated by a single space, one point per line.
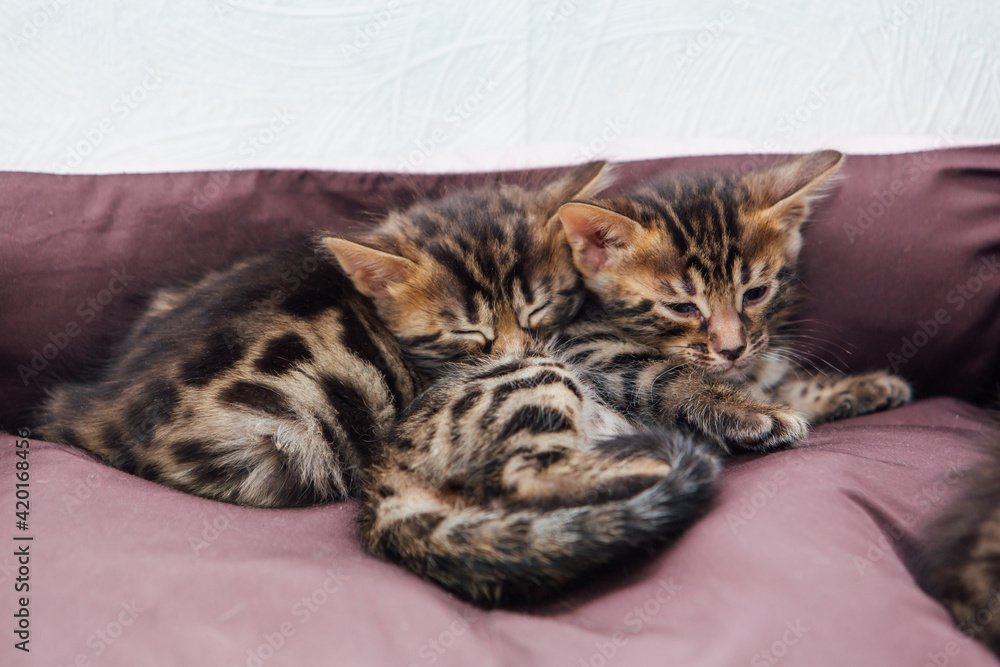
857 395
753 426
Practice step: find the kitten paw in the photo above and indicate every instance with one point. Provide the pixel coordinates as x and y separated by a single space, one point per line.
789 428
758 427
863 394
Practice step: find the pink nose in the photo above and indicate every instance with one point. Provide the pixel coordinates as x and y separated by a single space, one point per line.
725 333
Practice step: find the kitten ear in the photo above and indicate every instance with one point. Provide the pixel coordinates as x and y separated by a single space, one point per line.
372 271
785 191
597 236
582 182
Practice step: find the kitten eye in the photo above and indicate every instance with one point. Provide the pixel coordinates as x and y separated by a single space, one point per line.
483 340
535 317
683 308
755 294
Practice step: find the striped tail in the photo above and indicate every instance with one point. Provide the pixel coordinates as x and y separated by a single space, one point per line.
640 492
961 566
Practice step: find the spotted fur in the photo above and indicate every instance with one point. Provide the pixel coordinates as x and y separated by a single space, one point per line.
697 273
274 383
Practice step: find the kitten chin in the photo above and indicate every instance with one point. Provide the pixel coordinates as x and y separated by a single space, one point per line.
737 372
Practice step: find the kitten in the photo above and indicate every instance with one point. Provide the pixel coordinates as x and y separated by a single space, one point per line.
259 387
961 567
510 479
697 272
690 280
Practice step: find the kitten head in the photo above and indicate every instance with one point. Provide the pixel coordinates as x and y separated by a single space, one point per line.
479 271
700 266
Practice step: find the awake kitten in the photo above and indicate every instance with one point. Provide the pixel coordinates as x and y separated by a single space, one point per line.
261 387
517 476
699 271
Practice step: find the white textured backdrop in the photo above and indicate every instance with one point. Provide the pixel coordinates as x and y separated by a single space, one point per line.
430 85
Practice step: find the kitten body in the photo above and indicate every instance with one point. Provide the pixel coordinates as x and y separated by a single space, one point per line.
244 387
701 269
550 492
559 484
274 382
528 468
505 480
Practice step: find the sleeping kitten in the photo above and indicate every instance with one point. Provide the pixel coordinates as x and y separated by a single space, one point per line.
510 479
690 280
256 387
697 272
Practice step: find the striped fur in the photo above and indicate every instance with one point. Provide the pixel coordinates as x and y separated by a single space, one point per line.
501 485
701 269
961 567
510 480
274 383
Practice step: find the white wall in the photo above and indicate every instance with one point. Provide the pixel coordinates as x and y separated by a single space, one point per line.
119 85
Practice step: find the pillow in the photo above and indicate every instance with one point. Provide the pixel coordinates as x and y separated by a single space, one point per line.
899 266
804 559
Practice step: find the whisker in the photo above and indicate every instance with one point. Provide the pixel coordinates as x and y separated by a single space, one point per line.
823 344
814 362
808 359
832 351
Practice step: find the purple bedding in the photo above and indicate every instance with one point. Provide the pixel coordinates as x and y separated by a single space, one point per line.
805 558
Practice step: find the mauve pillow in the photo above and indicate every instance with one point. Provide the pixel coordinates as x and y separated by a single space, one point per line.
802 561
899 266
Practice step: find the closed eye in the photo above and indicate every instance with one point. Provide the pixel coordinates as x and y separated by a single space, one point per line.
470 333
536 316
754 294
686 309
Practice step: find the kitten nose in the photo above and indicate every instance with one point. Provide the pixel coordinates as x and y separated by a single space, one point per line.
733 354
726 335
513 341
